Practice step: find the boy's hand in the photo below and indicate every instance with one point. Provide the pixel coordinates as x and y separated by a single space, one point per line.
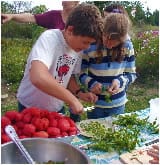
76 107
88 97
97 88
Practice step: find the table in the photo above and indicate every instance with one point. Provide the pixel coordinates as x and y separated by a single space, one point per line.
101 157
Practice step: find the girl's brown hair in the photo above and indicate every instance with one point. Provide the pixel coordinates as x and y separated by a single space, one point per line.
115 8
116 27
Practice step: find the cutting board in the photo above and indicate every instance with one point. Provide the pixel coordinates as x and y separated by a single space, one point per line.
138 156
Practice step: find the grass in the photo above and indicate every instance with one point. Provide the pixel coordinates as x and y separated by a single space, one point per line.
138 95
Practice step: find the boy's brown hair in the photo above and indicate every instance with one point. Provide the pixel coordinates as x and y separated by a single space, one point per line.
86 20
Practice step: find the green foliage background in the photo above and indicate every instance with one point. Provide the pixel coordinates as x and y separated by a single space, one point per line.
18 39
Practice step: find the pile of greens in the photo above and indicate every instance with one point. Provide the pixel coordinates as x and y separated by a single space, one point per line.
124 136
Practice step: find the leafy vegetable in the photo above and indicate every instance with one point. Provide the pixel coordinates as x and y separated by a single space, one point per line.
107 94
124 136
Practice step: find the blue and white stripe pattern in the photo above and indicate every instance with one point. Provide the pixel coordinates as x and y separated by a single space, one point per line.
106 71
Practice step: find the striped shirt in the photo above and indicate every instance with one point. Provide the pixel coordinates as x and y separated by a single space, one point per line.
107 71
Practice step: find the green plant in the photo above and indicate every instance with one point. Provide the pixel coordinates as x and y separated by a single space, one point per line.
36 32
14 53
147 54
16 30
8 107
124 136
13 59
139 95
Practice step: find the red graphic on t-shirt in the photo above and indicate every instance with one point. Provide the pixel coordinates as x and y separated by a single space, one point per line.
62 71
63 66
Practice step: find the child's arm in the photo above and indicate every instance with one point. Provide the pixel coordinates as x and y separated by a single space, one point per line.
43 80
129 74
74 87
86 80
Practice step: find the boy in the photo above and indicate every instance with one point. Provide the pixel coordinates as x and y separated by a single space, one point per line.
54 58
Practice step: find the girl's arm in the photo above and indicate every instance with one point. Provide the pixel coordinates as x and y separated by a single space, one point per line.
129 74
86 80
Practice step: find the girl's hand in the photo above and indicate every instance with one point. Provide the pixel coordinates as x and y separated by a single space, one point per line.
88 97
114 88
97 88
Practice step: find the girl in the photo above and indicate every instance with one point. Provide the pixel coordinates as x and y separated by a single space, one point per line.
109 67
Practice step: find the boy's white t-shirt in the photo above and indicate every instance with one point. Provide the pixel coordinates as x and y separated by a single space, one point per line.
62 61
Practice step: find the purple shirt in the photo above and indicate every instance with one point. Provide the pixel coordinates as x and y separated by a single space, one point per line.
50 20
